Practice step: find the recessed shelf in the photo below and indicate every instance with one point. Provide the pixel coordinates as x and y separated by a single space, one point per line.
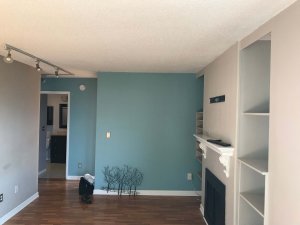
259 165
255 114
255 200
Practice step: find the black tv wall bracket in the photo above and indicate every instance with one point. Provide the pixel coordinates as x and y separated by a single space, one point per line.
217 99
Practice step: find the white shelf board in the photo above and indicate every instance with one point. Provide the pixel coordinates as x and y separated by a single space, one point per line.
255 114
217 148
256 201
259 165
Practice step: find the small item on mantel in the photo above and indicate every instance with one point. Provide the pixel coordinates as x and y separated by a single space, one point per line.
219 142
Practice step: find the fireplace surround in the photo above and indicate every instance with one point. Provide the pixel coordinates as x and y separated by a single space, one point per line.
214 203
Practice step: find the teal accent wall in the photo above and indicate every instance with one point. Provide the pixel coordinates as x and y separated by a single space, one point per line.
82 121
151 118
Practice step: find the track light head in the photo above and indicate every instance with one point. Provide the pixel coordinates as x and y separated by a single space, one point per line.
8 58
56 73
37 66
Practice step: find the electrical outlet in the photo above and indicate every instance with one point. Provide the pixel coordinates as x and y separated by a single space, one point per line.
79 165
16 189
1 197
189 176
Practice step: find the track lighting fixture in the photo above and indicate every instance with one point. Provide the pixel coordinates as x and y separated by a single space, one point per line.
9 59
37 66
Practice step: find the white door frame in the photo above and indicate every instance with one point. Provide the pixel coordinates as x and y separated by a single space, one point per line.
68 123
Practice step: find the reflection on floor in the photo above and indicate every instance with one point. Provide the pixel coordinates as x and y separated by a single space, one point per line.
54 170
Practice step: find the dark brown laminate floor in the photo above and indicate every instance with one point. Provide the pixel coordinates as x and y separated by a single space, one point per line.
59 204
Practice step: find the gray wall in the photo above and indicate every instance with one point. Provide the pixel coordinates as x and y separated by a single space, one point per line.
19 119
220 119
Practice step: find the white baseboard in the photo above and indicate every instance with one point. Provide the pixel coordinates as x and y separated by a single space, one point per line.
42 171
202 209
14 211
73 177
202 212
152 192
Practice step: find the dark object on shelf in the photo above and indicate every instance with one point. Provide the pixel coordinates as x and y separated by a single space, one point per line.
219 142
217 99
86 189
58 149
49 115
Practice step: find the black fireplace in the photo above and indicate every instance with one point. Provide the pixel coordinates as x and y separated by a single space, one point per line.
214 209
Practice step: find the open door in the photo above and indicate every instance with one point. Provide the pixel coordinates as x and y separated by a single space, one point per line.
43 134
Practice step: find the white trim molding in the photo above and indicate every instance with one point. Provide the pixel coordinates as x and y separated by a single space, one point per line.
225 152
202 212
14 211
204 149
73 177
152 193
202 209
225 161
42 171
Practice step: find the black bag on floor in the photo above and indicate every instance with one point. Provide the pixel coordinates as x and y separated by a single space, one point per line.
86 190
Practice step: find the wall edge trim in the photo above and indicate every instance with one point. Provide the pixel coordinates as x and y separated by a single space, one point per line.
42 171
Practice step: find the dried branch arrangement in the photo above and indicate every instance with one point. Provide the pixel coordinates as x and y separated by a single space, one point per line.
122 180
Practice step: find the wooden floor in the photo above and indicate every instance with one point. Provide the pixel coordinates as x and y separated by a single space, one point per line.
59 204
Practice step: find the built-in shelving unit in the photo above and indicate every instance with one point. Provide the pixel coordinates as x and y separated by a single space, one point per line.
199 131
253 142
199 123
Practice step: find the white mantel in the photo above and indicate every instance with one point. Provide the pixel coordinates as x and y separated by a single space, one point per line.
224 152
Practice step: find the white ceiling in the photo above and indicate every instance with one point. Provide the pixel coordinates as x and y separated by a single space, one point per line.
90 36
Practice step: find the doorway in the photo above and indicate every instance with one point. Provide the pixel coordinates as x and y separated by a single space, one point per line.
54 134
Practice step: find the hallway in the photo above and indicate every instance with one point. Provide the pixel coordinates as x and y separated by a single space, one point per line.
54 170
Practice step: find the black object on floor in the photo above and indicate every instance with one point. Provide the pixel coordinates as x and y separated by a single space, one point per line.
86 190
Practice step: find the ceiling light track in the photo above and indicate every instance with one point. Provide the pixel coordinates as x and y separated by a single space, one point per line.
9 59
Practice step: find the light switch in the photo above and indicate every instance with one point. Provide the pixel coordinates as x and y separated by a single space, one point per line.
108 135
